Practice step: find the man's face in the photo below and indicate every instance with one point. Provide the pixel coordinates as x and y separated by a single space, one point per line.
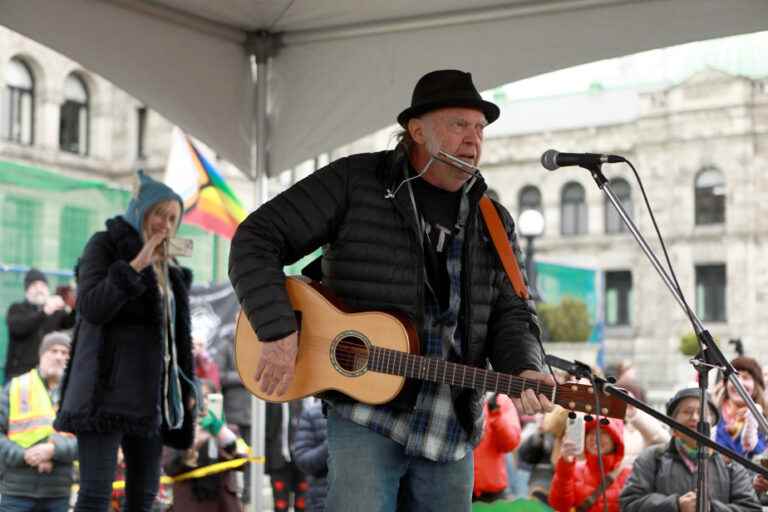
457 131
687 413
53 361
37 293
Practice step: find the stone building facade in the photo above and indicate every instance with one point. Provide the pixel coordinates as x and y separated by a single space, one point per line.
701 149
57 116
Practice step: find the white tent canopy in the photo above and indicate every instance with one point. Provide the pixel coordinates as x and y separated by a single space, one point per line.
343 68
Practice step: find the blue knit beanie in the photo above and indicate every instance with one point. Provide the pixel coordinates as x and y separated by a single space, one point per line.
148 193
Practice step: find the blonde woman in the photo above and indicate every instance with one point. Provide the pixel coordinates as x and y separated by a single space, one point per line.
128 381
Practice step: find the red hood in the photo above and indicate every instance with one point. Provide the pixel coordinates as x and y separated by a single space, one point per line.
615 429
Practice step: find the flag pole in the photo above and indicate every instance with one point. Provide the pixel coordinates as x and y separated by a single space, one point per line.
215 270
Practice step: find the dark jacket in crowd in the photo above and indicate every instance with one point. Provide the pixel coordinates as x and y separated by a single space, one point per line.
310 450
17 478
659 477
374 260
27 324
113 380
237 399
212 493
275 460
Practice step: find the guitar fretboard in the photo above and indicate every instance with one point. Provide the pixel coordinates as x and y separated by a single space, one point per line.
394 362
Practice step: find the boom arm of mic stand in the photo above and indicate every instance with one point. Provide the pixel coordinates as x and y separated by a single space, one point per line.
621 395
711 351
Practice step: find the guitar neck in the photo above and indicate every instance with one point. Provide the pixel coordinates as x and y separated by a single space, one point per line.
394 362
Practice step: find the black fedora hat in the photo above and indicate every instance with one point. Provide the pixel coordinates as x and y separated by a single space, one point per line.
446 88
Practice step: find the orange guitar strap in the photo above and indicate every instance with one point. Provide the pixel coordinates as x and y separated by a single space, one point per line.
503 248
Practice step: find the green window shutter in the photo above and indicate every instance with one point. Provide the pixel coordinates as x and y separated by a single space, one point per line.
74 232
20 230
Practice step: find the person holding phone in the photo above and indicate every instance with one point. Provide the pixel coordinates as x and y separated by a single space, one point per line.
576 484
128 381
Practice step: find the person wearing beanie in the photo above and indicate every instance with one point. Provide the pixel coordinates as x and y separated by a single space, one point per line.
402 230
28 321
129 382
737 429
664 476
36 462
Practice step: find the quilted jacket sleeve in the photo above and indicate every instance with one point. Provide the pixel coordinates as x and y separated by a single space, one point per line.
291 225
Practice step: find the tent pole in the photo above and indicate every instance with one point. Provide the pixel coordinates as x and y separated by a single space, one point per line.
260 46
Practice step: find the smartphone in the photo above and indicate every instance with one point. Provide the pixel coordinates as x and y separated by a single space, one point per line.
574 430
180 246
216 404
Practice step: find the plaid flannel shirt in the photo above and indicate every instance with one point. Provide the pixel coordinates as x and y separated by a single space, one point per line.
431 430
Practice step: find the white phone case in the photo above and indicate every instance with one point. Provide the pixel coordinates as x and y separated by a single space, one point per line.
574 430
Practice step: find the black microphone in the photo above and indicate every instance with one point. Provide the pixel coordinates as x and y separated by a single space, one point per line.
552 159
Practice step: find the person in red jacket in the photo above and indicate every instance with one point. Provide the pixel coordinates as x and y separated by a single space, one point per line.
501 435
576 484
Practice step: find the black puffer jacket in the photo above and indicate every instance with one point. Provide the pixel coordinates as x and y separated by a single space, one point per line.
113 381
373 260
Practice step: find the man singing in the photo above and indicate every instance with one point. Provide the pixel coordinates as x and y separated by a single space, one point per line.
401 231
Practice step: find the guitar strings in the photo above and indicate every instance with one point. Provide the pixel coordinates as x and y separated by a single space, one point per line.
353 356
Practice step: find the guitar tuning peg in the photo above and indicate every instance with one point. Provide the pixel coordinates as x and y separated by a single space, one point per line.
588 417
611 380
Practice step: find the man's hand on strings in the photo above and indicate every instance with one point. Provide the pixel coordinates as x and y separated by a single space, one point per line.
529 403
276 364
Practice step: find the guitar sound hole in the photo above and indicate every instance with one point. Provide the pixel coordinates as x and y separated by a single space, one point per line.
351 354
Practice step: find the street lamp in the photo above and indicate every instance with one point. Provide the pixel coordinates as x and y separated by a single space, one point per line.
530 225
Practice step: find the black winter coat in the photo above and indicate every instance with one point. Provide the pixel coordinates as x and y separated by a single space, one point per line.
373 261
113 380
27 324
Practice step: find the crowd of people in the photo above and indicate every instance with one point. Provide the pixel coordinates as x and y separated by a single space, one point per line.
115 378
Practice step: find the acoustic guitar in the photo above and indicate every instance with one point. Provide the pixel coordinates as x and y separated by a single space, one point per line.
368 355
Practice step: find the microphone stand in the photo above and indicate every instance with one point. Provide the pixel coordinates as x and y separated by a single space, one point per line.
609 388
708 357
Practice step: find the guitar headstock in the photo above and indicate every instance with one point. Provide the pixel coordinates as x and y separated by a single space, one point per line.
581 398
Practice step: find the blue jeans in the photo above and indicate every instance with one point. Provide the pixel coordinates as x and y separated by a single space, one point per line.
24 504
98 462
367 471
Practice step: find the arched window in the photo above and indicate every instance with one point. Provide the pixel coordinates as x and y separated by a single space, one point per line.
623 193
17 103
74 118
529 198
710 196
573 210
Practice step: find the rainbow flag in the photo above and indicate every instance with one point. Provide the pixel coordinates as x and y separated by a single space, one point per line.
209 202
